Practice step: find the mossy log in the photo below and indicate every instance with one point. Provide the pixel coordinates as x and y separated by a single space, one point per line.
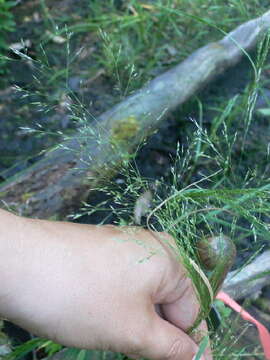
64 177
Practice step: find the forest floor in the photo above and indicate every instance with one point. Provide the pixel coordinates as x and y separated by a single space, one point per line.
94 54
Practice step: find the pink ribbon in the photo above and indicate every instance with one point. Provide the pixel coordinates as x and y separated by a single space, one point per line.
264 334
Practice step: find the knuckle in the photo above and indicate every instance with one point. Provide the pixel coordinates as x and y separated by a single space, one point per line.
177 350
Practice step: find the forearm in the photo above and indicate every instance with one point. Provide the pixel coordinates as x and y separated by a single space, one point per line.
23 247
33 252
39 259
12 238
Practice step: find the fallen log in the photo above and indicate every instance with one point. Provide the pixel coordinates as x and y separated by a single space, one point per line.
65 176
249 281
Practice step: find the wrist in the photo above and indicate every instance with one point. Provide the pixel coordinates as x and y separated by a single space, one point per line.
13 257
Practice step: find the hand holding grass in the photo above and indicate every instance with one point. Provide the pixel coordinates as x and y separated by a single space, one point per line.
97 287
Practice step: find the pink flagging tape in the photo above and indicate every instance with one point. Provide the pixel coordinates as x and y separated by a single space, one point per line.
263 332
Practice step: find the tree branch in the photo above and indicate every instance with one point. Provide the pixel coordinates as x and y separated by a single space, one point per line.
65 176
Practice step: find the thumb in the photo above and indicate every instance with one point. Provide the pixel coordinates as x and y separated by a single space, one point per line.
166 341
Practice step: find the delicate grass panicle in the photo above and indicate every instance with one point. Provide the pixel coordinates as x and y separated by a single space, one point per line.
219 183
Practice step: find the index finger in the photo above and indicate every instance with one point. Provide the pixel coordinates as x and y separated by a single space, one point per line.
184 311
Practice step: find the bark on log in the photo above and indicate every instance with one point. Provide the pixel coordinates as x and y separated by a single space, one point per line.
250 280
65 176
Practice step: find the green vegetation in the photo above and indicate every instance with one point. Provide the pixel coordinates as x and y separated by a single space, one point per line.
7 24
144 38
122 43
219 182
133 41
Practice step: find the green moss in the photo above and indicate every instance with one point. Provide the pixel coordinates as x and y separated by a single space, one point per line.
124 130
3 194
27 196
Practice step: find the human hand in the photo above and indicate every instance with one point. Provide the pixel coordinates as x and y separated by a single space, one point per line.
98 287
